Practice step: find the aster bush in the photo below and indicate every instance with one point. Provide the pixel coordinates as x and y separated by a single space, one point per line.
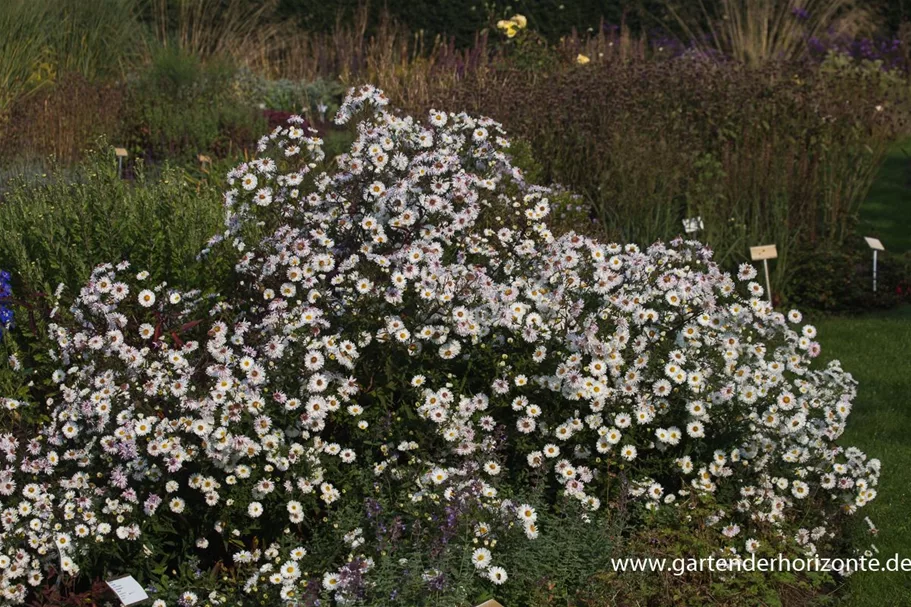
412 385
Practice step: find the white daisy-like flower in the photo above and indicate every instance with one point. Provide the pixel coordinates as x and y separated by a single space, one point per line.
497 575
481 558
146 298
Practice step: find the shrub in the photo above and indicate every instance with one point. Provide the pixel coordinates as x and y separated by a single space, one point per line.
57 227
182 107
410 379
49 123
780 154
317 100
842 280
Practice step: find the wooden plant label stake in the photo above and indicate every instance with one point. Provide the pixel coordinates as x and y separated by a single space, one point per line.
765 253
490 603
128 590
877 246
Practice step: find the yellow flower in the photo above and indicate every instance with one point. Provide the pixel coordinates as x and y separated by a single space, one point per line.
520 21
508 26
582 59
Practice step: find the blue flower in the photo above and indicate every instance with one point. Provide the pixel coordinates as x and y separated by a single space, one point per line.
6 291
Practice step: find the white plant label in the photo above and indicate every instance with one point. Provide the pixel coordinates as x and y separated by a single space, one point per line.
693 224
877 246
128 590
874 243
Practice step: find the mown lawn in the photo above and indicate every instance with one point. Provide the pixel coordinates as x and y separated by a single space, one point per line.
886 213
876 349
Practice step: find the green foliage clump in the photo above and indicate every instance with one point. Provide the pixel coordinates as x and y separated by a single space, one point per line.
57 227
182 107
841 280
319 99
679 540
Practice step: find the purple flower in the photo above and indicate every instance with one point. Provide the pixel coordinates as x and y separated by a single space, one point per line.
151 504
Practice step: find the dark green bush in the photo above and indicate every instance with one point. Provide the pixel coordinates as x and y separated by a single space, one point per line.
181 107
841 280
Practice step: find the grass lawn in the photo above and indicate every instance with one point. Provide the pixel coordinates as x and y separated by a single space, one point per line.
886 213
875 349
